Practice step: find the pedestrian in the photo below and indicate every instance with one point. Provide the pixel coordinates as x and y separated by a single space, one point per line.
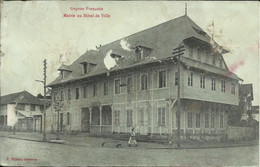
132 140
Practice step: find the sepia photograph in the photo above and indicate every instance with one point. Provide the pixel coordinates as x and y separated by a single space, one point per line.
129 83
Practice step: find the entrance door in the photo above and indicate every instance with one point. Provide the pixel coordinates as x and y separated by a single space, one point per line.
61 121
144 121
85 120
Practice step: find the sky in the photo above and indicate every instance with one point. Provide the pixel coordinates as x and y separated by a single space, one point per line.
37 30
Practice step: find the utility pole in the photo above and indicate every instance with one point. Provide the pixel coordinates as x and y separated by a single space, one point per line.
44 113
177 53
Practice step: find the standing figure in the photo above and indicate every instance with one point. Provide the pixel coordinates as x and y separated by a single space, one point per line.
132 140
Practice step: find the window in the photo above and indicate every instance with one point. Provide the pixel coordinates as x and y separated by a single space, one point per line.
117 86
223 86
212 121
85 95
129 117
161 116
221 120
142 116
197 120
213 84
68 118
233 88
207 57
62 74
202 81
162 79
85 68
176 78
129 85
95 90
117 117
32 107
191 52
199 54
144 82
206 120
214 60
220 63
61 96
69 94
189 120
105 88
190 79
138 53
20 107
55 96
77 93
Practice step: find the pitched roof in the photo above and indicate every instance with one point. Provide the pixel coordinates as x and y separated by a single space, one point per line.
23 97
161 39
246 89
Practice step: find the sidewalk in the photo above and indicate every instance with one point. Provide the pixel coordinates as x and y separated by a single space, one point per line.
86 141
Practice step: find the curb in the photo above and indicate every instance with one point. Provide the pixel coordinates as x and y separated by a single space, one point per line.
168 148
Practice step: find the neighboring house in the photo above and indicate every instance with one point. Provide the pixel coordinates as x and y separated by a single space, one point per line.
22 110
254 112
246 97
141 90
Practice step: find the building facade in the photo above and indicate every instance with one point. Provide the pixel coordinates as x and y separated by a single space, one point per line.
140 90
21 110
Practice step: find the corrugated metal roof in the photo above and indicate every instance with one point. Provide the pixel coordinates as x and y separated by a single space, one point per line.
23 97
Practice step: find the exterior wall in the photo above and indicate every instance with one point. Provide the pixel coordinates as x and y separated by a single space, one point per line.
197 93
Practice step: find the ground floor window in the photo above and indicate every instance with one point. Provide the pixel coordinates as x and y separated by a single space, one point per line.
206 120
117 117
161 116
129 117
68 118
189 120
212 121
197 120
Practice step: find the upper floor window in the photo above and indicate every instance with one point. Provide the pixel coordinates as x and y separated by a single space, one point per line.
207 57
190 79
69 94
220 63
223 86
161 116
32 107
61 96
191 52
233 88
213 83
77 93
85 95
129 85
129 117
20 107
144 82
202 81
106 88
55 96
176 78
213 60
95 89
162 79
199 54
117 86
142 52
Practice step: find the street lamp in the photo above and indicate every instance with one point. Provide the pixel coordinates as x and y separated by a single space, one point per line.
177 53
44 109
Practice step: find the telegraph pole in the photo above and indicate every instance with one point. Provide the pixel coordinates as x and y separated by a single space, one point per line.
177 53
44 112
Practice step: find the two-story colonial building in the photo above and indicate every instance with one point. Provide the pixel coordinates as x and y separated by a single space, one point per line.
141 89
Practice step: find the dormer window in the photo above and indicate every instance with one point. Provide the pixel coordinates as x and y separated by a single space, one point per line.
142 52
87 67
64 71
